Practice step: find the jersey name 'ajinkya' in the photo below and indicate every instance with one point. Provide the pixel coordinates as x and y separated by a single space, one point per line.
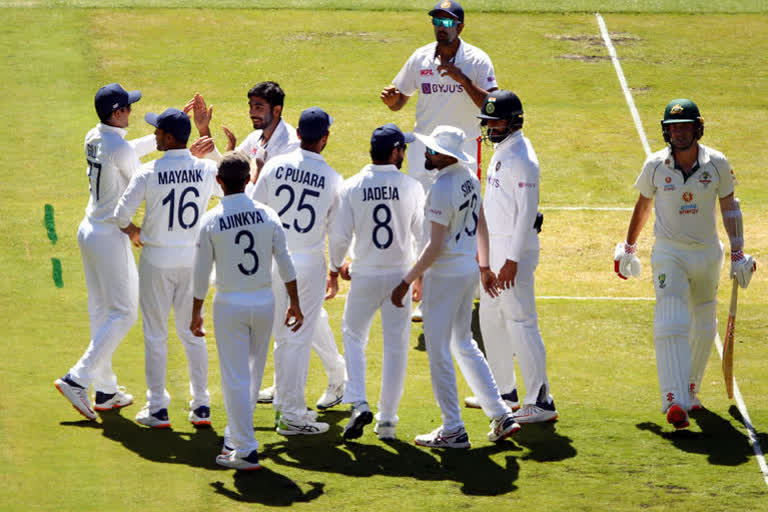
181 176
240 219
381 193
300 176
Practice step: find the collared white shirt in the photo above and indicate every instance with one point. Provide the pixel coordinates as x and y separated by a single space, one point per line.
512 196
243 237
111 161
383 210
442 100
685 209
176 189
283 140
454 201
304 191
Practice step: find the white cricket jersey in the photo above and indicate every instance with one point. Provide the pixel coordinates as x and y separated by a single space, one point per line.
383 210
304 191
454 201
111 161
512 196
242 237
442 100
176 189
685 209
283 141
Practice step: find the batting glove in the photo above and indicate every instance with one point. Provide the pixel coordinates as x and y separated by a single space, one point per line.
742 267
625 261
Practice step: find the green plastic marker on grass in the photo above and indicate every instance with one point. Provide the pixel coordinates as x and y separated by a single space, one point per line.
50 225
58 281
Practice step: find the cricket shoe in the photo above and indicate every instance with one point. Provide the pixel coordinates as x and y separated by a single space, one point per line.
509 398
311 414
332 396
439 438
76 394
304 426
109 401
201 416
266 395
361 416
158 419
536 413
502 428
247 463
677 417
417 315
385 430
693 399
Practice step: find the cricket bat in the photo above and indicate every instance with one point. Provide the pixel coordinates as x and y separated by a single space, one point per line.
729 340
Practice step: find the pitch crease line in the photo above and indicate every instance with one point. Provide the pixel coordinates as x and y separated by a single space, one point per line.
753 439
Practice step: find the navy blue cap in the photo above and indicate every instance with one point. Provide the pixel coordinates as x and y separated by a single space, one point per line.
113 97
453 9
314 123
388 137
173 121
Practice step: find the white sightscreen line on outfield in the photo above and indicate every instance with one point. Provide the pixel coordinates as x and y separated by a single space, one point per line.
753 439
589 208
623 82
565 297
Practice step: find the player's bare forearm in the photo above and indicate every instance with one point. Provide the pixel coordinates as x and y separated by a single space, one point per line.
196 325
640 216
294 318
430 253
482 239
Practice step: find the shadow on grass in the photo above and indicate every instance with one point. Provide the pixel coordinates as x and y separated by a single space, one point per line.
473 469
268 488
544 443
719 440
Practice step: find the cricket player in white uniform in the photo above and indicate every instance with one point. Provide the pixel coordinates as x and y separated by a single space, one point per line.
110 270
683 183
452 78
509 322
457 233
304 190
242 237
382 209
271 137
176 189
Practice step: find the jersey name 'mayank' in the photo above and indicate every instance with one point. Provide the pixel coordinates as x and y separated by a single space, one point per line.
383 193
240 219
300 176
180 176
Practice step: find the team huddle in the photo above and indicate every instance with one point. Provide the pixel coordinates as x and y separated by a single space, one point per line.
430 236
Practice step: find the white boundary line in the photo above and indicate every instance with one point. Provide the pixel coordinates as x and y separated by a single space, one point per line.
623 82
753 439
589 208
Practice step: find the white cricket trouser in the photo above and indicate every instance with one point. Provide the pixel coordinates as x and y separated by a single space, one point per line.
159 290
510 328
447 303
367 294
113 300
685 278
292 349
243 329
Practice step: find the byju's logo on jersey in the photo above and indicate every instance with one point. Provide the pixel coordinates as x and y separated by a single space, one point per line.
427 88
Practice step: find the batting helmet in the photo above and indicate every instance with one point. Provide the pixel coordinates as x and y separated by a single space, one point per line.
501 104
682 111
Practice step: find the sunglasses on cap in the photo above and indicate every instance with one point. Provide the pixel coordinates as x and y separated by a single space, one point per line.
431 151
445 22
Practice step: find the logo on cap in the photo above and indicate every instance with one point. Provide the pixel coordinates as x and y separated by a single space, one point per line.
445 4
677 109
490 108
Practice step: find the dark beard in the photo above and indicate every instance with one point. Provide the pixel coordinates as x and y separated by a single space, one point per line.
428 165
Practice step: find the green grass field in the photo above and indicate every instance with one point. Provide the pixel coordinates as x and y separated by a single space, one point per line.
611 448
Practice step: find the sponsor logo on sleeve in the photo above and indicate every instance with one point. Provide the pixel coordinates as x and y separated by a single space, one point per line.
435 211
523 184
491 79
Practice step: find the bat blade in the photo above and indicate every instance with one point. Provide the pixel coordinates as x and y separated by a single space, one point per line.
728 343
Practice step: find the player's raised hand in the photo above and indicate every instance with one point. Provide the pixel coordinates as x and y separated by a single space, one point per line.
390 95
625 261
202 114
231 139
201 147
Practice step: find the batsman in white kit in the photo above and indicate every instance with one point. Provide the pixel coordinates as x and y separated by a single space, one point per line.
457 233
509 322
683 182
382 209
304 190
242 238
176 189
110 270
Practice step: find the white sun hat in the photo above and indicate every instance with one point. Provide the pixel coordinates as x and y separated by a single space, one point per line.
446 140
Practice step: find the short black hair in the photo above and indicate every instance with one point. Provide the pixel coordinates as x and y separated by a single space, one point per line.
270 91
234 170
380 155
